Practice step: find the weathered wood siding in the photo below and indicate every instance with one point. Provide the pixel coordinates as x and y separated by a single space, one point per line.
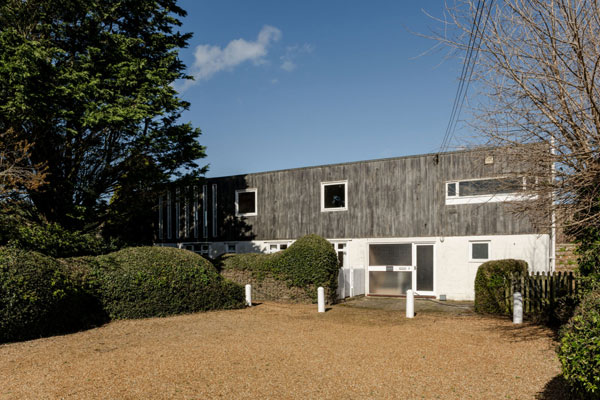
399 197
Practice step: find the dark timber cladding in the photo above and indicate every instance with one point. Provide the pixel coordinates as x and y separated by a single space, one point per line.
396 197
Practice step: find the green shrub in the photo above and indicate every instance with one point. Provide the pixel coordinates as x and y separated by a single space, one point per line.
38 298
491 281
140 282
18 230
579 350
308 263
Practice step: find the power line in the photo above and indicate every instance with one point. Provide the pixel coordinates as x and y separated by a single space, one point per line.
468 69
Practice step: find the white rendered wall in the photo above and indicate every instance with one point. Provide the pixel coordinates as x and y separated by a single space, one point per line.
454 273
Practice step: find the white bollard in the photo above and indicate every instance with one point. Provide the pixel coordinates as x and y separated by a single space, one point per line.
517 308
249 295
410 304
321 299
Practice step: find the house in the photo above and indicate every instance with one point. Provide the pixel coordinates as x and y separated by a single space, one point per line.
425 221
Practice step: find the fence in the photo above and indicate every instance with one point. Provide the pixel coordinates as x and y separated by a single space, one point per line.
541 290
351 282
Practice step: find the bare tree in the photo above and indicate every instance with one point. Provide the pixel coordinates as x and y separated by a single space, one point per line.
16 172
536 80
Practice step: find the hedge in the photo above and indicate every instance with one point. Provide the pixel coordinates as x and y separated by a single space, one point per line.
491 282
140 282
308 263
579 350
38 298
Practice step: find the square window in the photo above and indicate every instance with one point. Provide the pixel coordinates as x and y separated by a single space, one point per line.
245 202
231 248
334 196
480 251
282 246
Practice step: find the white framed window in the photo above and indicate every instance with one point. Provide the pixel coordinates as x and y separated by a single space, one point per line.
334 196
231 248
473 191
204 249
340 249
275 247
479 251
245 202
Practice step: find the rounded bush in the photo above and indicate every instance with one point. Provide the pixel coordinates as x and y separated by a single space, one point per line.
579 350
37 298
308 263
491 281
141 282
311 262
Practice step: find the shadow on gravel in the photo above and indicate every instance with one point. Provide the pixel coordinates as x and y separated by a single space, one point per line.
556 389
522 332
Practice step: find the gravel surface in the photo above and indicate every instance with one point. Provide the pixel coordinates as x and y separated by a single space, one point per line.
289 351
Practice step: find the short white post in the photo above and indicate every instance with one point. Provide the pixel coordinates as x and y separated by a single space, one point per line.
249 295
410 304
517 308
321 299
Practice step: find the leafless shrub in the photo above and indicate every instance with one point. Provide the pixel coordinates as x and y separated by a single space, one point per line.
537 96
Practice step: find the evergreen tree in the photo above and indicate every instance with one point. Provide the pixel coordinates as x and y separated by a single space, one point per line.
89 84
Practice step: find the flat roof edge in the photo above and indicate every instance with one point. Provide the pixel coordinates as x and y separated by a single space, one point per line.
473 150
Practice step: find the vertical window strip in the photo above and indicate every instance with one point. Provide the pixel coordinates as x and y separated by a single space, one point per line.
214 210
204 211
160 217
177 215
169 211
195 212
186 218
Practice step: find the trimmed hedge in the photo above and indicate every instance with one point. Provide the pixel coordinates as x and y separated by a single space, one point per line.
491 281
308 263
579 350
38 298
141 282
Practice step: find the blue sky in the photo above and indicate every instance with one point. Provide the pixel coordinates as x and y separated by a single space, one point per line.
285 84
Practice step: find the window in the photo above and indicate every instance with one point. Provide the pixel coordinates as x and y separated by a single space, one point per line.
340 249
390 254
214 210
205 250
160 217
275 247
480 251
204 211
245 202
334 196
169 215
231 248
485 190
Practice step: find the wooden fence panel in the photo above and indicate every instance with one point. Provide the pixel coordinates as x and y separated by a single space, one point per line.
541 290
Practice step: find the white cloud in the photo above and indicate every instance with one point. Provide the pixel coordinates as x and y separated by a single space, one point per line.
288 65
211 59
287 60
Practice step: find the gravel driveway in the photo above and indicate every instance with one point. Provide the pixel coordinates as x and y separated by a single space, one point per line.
289 351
